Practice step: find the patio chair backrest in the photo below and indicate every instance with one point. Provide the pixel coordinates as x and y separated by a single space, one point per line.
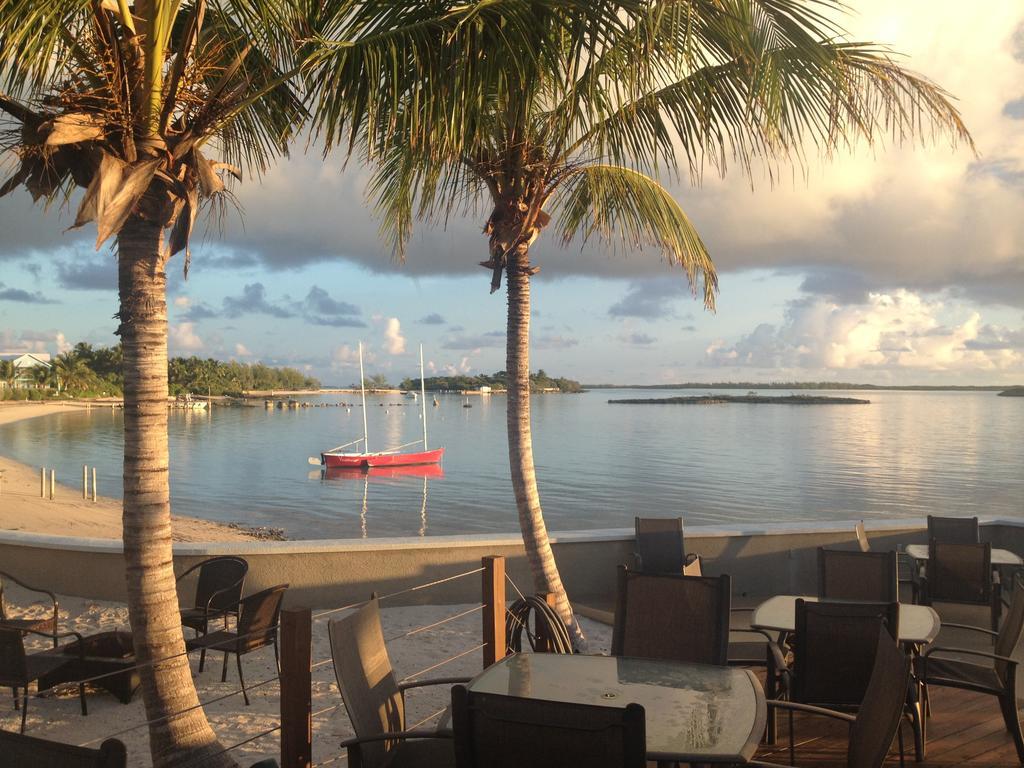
18 749
366 680
659 544
498 731
953 530
677 618
862 537
258 616
834 649
220 582
959 573
880 712
849 575
13 667
1011 630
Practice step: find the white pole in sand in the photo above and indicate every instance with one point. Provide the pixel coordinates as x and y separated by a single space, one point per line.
94 483
53 482
85 482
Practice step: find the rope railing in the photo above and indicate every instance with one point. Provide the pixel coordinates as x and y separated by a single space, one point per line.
172 715
405 591
200 759
435 624
449 660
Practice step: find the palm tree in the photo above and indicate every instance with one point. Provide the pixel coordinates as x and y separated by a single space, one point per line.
568 112
127 101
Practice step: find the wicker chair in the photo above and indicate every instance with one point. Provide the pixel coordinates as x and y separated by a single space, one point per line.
47 624
864 576
257 628
20 750
880 714
498 731
953 530
375 700
659 545
678 618
995 675
906 566
19 669
961 573
218 593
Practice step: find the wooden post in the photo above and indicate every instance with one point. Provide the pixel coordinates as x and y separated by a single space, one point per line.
85 482
493 598
94 483
296 688
53 482
42 482
545 643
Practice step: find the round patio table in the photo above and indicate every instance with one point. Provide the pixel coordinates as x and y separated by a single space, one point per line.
694 713
919 624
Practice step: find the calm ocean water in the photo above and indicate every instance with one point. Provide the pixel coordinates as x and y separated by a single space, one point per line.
906 454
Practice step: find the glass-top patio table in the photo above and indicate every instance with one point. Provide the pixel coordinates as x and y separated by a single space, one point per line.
694 713
919 624
999 556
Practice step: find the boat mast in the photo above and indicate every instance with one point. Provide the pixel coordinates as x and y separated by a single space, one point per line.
423 400
362 389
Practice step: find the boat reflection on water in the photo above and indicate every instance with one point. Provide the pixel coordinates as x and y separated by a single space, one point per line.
425 471
383 473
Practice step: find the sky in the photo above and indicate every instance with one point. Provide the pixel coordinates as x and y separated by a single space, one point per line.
894 264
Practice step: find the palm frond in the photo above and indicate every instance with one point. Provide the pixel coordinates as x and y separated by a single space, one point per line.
620 204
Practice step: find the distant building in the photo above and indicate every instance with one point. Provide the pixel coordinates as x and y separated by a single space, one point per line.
25 364
485 390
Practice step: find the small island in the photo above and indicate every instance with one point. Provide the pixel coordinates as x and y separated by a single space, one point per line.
752 399
1013 392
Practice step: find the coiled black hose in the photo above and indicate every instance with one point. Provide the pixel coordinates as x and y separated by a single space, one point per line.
544 616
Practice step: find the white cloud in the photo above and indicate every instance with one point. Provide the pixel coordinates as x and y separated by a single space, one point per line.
183 337
899 331
242 351
394 341
183 302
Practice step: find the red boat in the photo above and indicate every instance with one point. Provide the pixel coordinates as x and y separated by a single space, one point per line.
432 471
385 459
338 458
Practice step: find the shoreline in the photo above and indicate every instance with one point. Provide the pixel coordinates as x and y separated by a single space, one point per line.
68 514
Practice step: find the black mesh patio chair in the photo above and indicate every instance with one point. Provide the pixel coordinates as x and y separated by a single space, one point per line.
498 731
864 576
677 618
953 530
834 648
906 566
19 669
257 628
20 750
961 573
218 593
47 624
993 672
880 714
659 545
375 700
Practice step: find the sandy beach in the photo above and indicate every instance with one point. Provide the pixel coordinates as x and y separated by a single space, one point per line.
68 514
58 715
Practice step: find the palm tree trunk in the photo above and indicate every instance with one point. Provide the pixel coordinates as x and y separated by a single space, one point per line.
520 439
167 687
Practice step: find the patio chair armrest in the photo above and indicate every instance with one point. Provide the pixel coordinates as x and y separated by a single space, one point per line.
969 651
186 572
752 631
29 587
228 588
433 681
811 710
778 656
395 736
970 627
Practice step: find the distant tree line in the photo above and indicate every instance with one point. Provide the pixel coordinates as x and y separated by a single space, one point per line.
87 371
539 382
